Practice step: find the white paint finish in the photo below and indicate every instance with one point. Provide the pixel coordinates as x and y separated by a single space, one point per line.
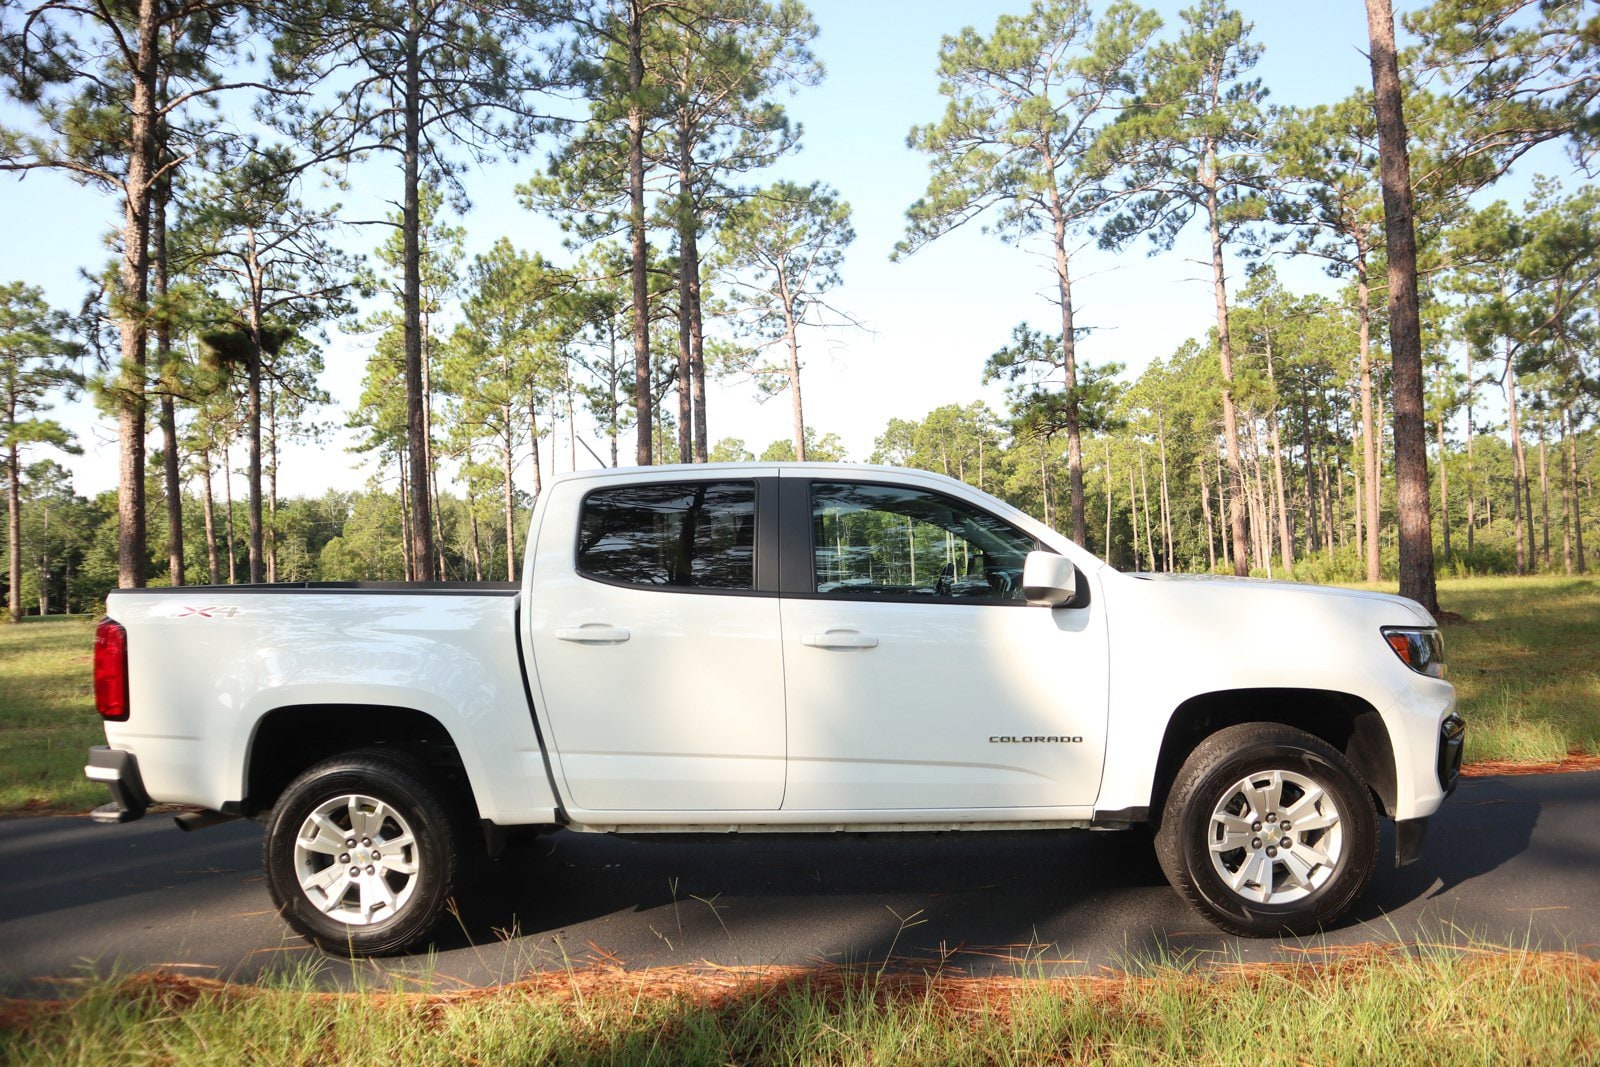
907 723
678 705
206 667
1172 640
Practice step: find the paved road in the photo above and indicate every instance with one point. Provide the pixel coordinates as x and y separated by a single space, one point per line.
1510 860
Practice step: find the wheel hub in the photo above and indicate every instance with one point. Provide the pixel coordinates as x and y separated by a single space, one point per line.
356 859
1275 836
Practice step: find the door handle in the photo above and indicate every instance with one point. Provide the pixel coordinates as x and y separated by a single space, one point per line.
839 639
592 633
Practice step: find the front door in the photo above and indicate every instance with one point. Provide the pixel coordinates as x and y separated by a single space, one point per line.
917 675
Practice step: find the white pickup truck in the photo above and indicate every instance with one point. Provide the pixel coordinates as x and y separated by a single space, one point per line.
780 648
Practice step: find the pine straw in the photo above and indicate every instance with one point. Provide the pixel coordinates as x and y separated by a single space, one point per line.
714 988
1575 761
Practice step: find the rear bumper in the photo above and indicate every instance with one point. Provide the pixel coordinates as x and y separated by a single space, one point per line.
118 771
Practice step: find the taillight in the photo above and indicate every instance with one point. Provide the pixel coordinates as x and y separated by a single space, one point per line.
111 671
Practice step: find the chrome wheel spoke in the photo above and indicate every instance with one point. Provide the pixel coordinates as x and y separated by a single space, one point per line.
329 838
1254 877
1297 869
397 863
324 878
1236 832
335 894
1307 807
375 894
1263 799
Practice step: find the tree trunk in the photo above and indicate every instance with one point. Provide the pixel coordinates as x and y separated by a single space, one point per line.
227 493
643 407
407 543
1544 498
538 474
507 461
687 221
426 334
1166 499
1230 417
697 346
1109 501
132 543
172 478
1444 492
1519 467
1069 366
14 520
1369 444
208 505
272 483
253 425
1205 511
1133 515
1313 489
1144 493
418 482
1260 519
791 336
1472 475
1572 480
1405 326
1285 534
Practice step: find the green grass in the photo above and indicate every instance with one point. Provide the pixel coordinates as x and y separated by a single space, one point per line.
1525 660
1379 1007
47 718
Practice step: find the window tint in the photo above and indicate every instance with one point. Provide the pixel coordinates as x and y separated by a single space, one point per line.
685 534
880 540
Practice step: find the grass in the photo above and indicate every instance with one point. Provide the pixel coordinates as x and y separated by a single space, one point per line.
1525 660
47 718
1376 1006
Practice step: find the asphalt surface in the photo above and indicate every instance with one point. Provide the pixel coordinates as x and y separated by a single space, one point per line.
1510 861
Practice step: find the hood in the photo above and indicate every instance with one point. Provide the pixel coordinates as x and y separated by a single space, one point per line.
1273 586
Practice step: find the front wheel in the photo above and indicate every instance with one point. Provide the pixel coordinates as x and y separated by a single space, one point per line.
1268 830
362 853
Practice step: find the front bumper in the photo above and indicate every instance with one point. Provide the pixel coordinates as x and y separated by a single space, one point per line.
1408 833
119 772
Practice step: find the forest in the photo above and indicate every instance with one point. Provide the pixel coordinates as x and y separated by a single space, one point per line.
1435 403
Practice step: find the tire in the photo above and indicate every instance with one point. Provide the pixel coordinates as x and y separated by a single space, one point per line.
409 853
1211 841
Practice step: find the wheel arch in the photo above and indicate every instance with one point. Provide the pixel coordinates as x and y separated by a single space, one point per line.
288 739
1347 722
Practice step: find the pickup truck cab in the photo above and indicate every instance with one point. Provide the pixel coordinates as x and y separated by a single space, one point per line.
789 648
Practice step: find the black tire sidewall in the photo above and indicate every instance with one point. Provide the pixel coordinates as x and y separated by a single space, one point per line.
410 791
1308 915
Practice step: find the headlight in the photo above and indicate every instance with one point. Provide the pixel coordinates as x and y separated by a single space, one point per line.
1420 648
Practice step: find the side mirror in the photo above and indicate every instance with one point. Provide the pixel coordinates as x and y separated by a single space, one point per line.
1049 579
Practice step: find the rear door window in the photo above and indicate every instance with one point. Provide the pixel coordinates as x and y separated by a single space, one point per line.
682 535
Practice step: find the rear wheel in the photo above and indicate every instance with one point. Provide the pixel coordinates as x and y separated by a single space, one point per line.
363 852
1268 830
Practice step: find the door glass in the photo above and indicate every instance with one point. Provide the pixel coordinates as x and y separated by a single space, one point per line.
697 535
887 541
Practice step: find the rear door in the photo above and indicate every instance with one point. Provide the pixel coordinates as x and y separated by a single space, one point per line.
656 650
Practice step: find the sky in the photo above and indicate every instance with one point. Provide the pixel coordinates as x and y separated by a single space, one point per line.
930 321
